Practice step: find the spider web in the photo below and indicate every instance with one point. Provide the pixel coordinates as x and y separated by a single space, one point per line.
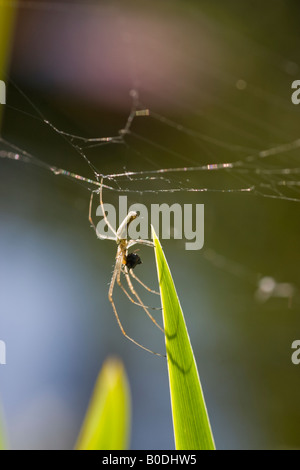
263 173
232 134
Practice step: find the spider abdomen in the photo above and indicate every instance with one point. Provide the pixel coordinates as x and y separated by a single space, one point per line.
132 260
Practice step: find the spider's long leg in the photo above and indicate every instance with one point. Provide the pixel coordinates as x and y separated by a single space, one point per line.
140 301
103 211
142 284
103 237
90 211
129 296
110 297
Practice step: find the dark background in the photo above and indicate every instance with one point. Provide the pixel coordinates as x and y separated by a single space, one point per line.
223 70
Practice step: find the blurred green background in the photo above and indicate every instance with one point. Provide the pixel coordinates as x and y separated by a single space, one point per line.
223 70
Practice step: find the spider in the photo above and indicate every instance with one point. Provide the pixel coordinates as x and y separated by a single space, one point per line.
125 263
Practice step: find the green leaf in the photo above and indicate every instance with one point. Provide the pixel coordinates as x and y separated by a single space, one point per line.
107 421
192 429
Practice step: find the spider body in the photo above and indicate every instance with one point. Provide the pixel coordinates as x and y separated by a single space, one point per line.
124 264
